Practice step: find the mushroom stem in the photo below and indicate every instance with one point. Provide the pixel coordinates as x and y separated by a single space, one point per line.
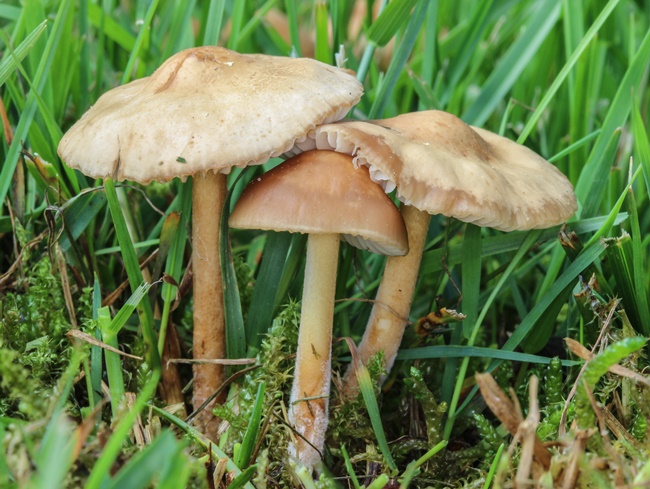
390 313
311 385
208 196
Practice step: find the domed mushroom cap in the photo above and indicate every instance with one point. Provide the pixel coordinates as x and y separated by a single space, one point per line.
206 108
443 166
320 192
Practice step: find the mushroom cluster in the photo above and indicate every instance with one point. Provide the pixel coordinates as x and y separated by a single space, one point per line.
208 109
437 164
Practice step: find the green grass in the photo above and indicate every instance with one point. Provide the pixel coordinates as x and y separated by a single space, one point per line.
568 79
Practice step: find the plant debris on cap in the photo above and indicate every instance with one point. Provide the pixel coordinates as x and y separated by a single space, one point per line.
320 192
441 165
206 108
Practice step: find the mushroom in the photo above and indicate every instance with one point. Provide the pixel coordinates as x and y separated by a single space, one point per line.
319 193
440 165
203 111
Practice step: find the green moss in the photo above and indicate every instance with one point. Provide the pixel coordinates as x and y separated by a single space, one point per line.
490 439
349 421
35 349
20 393
433 411
245 282
276 363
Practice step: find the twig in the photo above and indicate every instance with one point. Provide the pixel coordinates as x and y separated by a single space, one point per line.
562 427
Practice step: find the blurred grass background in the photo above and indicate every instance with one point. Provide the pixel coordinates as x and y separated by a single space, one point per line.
568 79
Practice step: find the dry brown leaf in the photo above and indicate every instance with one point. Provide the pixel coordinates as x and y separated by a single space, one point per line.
504 409
580 351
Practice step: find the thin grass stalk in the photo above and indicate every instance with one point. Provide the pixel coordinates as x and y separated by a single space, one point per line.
213 22
399 60
291 8
173 266
368 394
566 69
526 245
589 190
471 277
101 471
197 437
236 21
323 52
256 20
139 41
38 84
541 19
263 301
113 362
134 274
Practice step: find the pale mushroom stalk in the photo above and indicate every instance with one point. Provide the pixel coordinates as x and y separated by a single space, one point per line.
209 341
389 316
311 384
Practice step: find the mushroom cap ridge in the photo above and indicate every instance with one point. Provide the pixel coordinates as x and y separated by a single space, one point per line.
206 108
320 192
443 166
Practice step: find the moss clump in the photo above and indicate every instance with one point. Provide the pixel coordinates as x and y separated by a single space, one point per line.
34 349
276 363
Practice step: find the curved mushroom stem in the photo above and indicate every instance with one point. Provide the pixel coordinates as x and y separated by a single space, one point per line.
390 313
208 196
311 384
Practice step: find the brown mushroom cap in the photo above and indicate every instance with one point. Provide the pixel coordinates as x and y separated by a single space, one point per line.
443 166
206 108
320 192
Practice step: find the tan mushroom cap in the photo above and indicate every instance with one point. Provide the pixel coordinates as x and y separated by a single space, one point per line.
206 108
320 192
443 166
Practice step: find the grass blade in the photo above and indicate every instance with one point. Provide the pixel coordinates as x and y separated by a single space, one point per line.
262 306
113 362
15 56
135 275
542 18
38 84
460 351
142 36
569 276
615 118
252 431
235 331
458 64
399 60
365 386
214 21
392 17
79 213
145 467
193 434
566 69
531 238
101 471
